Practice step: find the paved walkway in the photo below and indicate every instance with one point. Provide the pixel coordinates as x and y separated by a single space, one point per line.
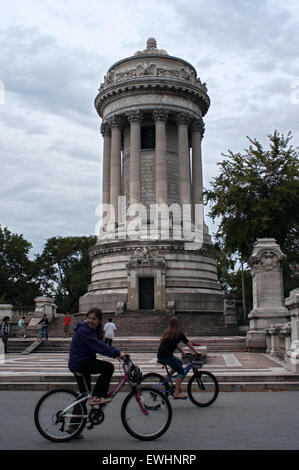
56 363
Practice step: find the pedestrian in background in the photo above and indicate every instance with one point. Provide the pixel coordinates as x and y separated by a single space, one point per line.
67 322
5 329
43 324
21 331
109 329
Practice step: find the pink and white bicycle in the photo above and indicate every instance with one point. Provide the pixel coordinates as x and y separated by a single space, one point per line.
62 414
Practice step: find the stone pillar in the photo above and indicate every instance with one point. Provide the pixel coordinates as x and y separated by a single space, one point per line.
160 118
268 299
230 312
183 121
197 129
106 133
115 168
292 356
5 311
135 119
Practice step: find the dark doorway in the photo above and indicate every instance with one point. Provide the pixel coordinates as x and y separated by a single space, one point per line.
146 293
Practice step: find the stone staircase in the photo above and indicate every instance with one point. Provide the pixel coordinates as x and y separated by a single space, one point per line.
228 381
153 323
131 344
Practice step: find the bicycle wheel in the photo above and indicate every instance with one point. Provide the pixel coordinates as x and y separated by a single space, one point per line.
203 388
152 380
152 425
50 420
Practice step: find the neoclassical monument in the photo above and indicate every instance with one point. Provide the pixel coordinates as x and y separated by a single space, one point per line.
152 107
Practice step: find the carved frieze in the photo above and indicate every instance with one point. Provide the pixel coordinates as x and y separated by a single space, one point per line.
146 256
152 70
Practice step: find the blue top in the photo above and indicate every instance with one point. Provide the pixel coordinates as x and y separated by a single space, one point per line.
85 345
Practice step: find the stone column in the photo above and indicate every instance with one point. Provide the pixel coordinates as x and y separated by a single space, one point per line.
183 120
197 129
135 119
5 311
106 133
230 312
115 168
160 117
268 299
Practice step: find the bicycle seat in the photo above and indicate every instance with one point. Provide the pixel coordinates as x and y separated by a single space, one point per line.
79 374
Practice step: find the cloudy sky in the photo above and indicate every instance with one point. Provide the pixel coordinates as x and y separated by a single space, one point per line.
54 55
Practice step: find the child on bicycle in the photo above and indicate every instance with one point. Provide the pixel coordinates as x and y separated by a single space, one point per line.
171 337
86 343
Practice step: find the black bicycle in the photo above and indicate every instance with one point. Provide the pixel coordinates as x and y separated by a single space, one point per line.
202 388
62 414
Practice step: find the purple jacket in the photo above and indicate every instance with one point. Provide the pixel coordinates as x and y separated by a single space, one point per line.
85 345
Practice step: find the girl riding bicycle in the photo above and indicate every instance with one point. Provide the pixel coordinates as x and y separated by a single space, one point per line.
171 337
86 343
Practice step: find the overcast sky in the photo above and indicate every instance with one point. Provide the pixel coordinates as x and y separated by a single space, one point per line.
54 55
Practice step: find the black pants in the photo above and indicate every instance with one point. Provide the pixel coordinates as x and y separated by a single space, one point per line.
5 339
95 366
108 341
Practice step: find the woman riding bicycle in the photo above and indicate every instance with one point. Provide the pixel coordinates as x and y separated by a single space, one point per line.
171 337
86 343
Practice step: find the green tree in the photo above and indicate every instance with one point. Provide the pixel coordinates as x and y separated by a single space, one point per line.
18 276
65 270
256 195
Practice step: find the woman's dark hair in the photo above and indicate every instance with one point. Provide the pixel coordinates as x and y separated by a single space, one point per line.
98 314
173 330
5 318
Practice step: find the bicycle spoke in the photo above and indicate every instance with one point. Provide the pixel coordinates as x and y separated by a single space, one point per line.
153 423
203 388
57 417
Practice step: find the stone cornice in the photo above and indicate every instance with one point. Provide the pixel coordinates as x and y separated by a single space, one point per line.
130 247
152 86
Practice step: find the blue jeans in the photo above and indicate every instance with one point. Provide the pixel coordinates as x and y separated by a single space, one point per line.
175 363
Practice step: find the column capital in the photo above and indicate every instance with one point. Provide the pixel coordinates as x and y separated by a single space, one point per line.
134 116
116 121
105 128
160 115
183 118
198 125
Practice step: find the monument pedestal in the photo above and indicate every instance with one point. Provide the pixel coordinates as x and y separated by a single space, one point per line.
268 299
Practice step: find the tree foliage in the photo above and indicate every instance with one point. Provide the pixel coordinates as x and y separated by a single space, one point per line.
256 195
18 283
65 270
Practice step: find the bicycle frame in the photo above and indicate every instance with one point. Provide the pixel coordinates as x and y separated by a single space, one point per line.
111 395
169 377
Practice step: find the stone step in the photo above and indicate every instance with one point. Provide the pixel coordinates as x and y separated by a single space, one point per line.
213 344
223 386
221 377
